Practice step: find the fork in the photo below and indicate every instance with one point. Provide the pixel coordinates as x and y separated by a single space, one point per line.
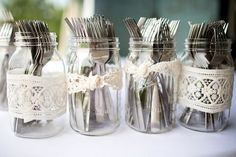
6 15
6 30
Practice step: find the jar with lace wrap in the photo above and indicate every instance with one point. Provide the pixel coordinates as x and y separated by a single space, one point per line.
94 79
36 86
206 85
151 84
6 50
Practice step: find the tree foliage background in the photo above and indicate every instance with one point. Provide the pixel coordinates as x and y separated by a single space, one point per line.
36 9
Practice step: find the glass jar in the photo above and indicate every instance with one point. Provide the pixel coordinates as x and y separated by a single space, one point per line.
151 85
6 50
94 78
36 86
206 85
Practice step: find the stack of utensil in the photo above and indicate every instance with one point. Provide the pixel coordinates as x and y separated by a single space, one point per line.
7 32
35 38
150 100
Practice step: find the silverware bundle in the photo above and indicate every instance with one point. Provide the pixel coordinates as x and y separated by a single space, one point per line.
93 109
211 32
159 33
5 16
96 27
150 101
36 39
38 35
7 32
8 28
207 41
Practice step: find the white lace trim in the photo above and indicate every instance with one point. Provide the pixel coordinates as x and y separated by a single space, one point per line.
171 68
36 98
206 90
80 83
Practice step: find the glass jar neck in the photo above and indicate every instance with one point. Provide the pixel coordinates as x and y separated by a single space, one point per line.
135 44
4 42
157 51
91 43
205 45
29 39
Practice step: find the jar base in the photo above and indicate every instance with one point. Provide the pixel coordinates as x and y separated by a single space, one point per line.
97 132
3 108
166 129
202 129
36 136
37 129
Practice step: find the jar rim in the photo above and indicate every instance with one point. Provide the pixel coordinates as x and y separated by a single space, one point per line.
94 43
151 49
5 41
137 44
30 33
204 44
89 39
139 41
206 40
27 39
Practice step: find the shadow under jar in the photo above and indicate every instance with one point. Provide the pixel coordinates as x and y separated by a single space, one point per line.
94 78
36 87
6 50
151 79
205 92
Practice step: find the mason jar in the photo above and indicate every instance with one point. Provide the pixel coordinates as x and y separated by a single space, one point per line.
6 50
206 85
36 86
151 85
94 80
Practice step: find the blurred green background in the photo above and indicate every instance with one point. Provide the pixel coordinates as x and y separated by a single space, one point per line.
54 11
36 9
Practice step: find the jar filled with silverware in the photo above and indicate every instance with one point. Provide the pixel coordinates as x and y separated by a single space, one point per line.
206 81
94 76
7 32
151 75
36 82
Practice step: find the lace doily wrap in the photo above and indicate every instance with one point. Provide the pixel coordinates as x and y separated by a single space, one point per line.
172 68
80 83
36 98
206 90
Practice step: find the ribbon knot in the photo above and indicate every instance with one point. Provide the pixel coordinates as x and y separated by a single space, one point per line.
77 83
142 71
169 68
95 82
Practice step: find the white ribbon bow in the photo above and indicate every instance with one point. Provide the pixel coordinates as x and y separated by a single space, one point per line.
168 68
142 71
77 83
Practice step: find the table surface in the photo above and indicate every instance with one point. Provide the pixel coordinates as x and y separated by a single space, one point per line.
179 142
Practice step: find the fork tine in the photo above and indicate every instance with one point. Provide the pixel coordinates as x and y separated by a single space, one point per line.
226 25
5 31
8 34
2 30
7 15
